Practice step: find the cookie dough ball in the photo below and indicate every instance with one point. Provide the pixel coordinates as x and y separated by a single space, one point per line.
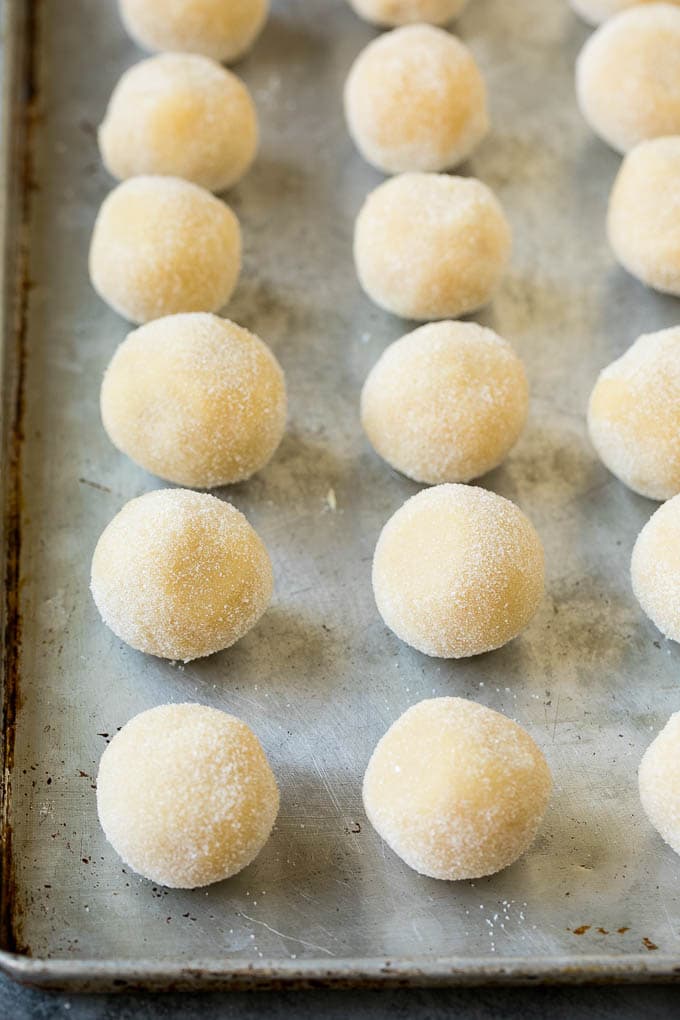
446 402
221 29
185 795
180 574
195 399
659 780
160 246
430 246
390 13
456 790
628 76
644 214
415 100
457 571
655 568
634 415
181 116
597 11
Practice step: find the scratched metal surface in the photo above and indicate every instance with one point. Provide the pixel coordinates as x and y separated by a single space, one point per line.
320 678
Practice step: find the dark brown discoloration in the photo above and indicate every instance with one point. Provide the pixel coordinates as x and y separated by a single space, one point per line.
24 100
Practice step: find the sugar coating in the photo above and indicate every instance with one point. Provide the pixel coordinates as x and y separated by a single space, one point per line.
195 399
222 29
634 415
390 13
643 222
628 76
597 11
457 790
185 795
180 115
180 574
446 402
431 246
416 100
458 571
659 782
162 245
655 568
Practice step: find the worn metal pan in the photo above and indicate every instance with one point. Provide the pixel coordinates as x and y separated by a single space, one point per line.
320 679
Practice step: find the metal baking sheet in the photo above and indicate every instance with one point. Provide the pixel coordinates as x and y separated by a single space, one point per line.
321 678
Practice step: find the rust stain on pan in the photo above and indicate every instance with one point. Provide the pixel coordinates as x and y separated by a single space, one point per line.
23 111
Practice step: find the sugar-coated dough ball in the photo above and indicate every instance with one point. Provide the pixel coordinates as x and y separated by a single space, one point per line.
180 574
446 402
390 13
644 214
221 29
628 76
457 790
415 100
195 399
162 245
431 246
185 795
655 568
457 571
180 115
597 11
659 781
634 415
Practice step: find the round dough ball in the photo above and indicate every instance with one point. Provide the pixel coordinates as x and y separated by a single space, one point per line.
628 76
180 574
457 571
195 399
655 568
390 13
446 402
430 246
180 115
221 29
160 246
456 790
644 214
415 100
659 781
185 795
597 11
634 415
